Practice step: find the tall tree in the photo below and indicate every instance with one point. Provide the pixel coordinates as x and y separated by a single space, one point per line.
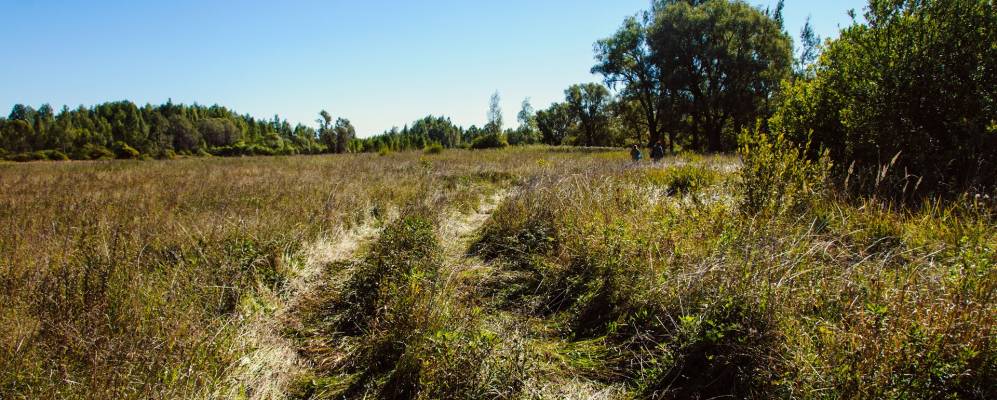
809 49
344 133
625 61
526 133
325 132
589 105
725 60
555 124
494 125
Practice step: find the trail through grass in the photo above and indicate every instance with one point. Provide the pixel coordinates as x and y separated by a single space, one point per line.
273 361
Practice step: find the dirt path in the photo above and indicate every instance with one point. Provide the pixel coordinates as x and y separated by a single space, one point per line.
271 360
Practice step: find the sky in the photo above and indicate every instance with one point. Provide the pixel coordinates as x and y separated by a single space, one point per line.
379 63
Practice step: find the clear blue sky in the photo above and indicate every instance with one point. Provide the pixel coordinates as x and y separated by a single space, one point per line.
379 63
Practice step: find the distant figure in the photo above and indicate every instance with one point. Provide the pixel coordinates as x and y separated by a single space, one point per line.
657 152
635 154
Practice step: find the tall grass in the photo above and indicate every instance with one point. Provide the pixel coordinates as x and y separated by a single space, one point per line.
130 279
690 296
593 278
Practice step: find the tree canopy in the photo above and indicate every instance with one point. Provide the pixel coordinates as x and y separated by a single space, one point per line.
123 129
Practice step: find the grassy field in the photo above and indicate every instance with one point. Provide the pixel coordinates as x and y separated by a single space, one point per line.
523 273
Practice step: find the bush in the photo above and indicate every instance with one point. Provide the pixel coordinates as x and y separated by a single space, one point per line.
434 148
123 151
490 141
777 176
167 154
25 157
91 151
916 86
682 179
56 155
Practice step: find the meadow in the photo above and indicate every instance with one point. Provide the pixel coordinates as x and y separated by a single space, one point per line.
530 272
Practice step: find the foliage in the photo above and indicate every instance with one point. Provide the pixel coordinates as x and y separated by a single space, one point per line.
490 141
494 124
697 69
625 60
130 131
727 56
422 133
434 148
555 124
589 105
914 84
777 176
682 179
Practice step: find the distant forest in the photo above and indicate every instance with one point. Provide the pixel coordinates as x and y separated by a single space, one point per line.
910 87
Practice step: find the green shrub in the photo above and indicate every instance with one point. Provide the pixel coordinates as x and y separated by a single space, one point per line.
777 176
91 151
167 154
682 179
434 148
123 151
717 352
490 141
915 85
24 157
56 155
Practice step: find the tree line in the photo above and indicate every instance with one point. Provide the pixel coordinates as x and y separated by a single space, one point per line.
125 130
909 89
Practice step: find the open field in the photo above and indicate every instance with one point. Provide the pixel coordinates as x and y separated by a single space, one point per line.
533 272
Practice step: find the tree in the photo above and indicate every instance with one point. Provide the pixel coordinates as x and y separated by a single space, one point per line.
589 104
625 61
219 131
437 129
494 124
325 132
914 88
152 130
555 124
724 59
344 133
185 136
629 120
809 49
526 133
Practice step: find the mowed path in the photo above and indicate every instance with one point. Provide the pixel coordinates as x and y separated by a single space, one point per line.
272 360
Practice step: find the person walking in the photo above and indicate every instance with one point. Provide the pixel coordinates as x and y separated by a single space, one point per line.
657 152
635 154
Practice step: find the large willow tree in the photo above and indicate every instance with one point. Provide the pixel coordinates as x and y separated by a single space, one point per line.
724 60
698 69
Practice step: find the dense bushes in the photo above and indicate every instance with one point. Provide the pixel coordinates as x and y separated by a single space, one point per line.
906 103
490 141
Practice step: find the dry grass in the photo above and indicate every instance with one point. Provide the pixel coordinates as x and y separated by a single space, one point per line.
590 279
